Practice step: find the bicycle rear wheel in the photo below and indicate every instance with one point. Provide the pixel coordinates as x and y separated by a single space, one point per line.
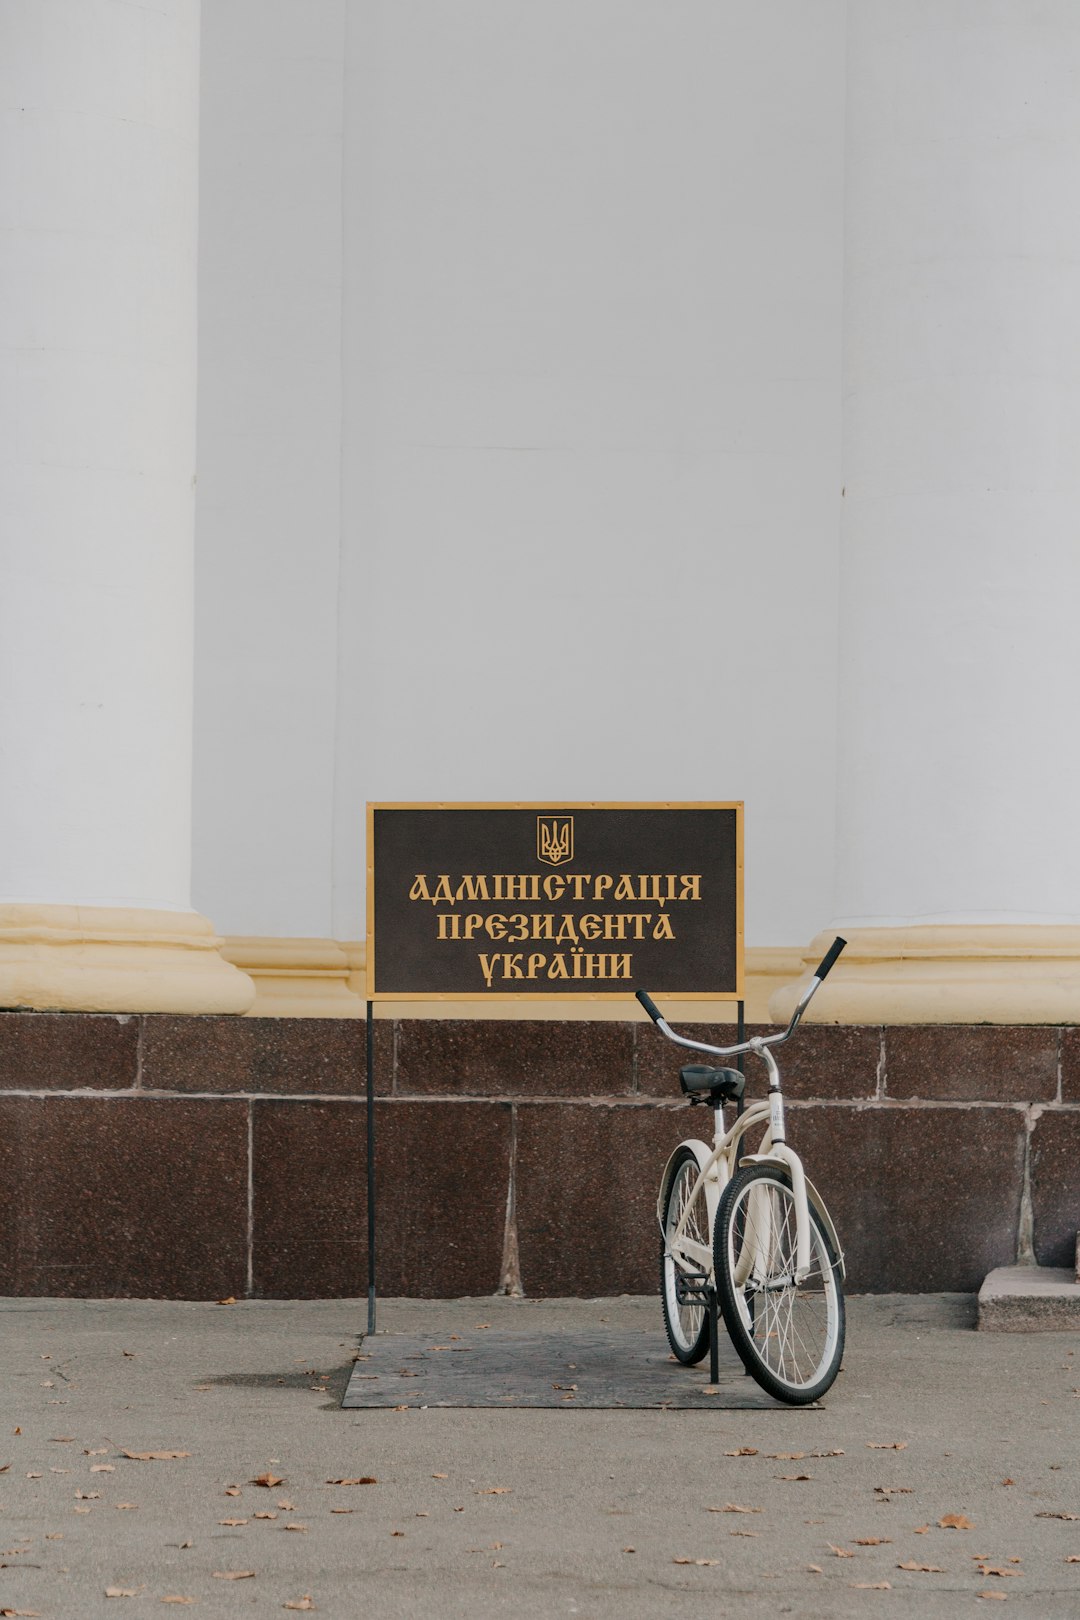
687 1324
790 1336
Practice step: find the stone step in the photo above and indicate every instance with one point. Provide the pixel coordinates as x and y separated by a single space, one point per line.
1030 1299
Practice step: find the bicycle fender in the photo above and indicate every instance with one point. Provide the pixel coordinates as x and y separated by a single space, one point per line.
702 1153
815 1198
812 1197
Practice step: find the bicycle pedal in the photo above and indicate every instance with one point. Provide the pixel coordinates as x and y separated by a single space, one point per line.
692 1288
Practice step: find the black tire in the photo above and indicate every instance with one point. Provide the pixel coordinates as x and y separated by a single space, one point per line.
791 1339
687 1326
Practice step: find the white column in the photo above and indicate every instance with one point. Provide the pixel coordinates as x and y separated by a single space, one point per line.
98 224
958 860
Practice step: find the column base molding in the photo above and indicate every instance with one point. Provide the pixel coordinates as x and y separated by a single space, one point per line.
115 959
977 974
298 978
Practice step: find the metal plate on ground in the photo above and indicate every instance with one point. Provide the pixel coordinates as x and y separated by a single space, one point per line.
566 1370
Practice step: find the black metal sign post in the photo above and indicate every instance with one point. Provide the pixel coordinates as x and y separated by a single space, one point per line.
567 902
371 1167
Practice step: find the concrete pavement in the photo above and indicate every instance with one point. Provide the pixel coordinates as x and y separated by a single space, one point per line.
538 1513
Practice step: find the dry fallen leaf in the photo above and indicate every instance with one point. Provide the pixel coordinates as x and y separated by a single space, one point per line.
272 1515
841 1552
701 1561
333 1510
793 1476
921 1530
154 1456
871 1586
743 1451
815 1569
785 1456
995 1569
122 1591
304 1603
872 1541
364 1479
734 1507
233 1574
102 1468
440 1476
921 1569
232 1521
955 1521
295 1527
1073 1558
125 1507
268 1481
495 1490
1043 1515
886 1445
229 1300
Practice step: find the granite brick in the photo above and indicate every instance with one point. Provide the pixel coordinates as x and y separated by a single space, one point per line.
441 1178
1055 1186
821 1060
1070 1064
972 1063
514 1057
924 1199
44 1051
125 1197
320 1056
586 1184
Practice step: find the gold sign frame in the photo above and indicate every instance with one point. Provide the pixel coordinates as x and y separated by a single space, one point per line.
555 855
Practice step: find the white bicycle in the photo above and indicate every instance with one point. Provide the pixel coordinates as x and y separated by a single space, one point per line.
749 1231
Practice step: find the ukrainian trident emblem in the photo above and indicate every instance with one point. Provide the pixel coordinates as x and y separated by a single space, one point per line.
555 839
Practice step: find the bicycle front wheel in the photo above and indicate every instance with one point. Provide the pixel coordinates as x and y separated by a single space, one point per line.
790 1335
687 1324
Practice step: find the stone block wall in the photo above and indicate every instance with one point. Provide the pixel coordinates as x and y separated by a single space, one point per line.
197 1158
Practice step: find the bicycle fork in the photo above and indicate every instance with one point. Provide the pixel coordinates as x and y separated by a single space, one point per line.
774 1150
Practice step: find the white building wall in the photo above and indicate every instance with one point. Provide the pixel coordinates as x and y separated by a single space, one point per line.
269 445
588 414
960 663
98 208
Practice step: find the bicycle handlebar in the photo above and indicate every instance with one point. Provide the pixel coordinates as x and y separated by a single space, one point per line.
826 964
829 958
649 1005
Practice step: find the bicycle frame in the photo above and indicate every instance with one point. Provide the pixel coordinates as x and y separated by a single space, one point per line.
716 1166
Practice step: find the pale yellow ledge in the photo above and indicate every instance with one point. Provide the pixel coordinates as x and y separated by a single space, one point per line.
115 959
978 974
324 978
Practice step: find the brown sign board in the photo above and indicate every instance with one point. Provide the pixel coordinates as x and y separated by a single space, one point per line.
496 902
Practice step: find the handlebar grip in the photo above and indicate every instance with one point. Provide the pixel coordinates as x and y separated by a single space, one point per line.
649 1005
829 958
